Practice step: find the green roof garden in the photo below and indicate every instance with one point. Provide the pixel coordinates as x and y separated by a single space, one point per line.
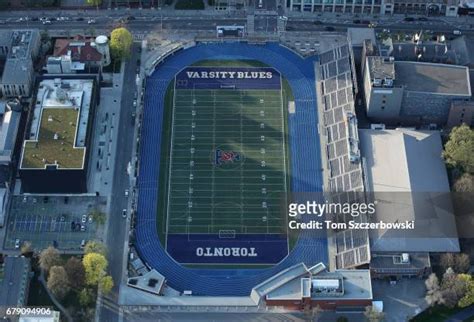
55 142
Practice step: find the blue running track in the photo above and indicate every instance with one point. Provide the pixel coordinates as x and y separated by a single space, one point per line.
305 162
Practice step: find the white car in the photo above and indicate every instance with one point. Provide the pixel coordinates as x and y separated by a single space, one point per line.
46 22
84 218
17 244
91 21
126 192
124 213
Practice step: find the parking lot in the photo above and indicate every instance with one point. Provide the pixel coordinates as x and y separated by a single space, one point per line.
63 222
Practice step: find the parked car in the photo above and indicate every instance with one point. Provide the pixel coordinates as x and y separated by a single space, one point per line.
83 243
457 32
17 243
126 192
124 213
409 19
83 227
329 28
84 218
91 21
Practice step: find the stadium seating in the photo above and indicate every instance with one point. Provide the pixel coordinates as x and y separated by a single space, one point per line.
305 167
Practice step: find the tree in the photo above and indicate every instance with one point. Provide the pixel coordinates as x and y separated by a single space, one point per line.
86 296
49 258
98 216
26 248
94 265
106 284
95 247
372 315
465 183
462 263
468 298
446 261
75 272
433 291
452 288
58 282
459 150
120 43
95 3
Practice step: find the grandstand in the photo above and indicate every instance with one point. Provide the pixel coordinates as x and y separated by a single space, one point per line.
304 150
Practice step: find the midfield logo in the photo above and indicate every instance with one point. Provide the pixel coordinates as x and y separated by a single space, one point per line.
223 157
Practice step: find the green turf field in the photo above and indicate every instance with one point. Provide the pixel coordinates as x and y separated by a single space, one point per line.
243 195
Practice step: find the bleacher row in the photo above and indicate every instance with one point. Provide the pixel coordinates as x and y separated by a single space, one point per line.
305 167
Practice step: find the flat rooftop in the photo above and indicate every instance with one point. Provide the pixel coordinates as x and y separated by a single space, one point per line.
13 281
56 141
433 78
384 261
59 127
381 67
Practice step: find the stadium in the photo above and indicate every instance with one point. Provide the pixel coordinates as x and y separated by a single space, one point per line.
229 132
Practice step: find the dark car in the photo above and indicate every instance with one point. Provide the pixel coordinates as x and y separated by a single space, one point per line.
34 19
80 19
356 21
423 19
409 19
329 28
73 226
129 18
317 22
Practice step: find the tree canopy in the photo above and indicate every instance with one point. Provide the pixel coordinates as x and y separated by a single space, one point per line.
120 43
95 247
58 282
48 258
96 3
459 150
75 272
94 265
106 284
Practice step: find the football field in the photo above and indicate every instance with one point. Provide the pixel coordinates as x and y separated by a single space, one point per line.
228 167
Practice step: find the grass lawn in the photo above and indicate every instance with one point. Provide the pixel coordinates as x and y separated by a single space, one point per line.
55 141
436 314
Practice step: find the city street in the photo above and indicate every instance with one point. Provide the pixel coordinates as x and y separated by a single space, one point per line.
118 201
